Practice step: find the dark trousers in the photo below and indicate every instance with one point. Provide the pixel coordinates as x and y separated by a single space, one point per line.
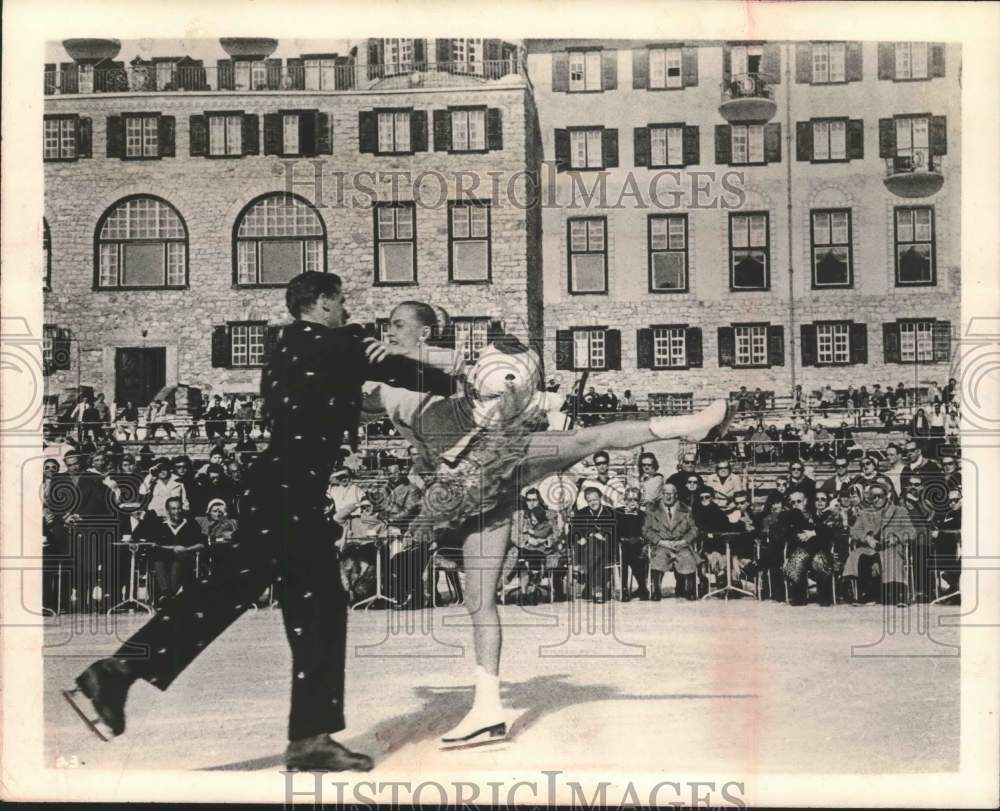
593 558
173 570
634 563
314 609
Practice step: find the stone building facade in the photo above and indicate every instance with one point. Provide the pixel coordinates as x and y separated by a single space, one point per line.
673 310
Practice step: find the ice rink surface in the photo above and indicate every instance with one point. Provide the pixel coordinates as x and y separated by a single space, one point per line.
637 687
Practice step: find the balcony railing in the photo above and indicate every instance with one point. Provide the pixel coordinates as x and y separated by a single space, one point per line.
748 86
907 164
272 75
916 175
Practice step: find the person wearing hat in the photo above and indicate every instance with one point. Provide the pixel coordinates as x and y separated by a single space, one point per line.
161 484
215 485
215 419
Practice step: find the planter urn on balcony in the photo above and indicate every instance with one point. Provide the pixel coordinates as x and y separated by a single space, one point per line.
248 47
91 51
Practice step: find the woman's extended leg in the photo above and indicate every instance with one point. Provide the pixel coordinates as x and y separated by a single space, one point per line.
484 551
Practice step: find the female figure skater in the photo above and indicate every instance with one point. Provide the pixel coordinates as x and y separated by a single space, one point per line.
476 451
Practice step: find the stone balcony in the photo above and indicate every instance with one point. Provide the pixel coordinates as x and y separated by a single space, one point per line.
919 175
748 97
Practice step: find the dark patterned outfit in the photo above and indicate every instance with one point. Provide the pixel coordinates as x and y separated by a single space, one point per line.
312 391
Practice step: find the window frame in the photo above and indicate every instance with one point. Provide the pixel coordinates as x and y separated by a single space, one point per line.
224 114
118 287
569 69
812 61
590 348
666 50
835 324
915 324
570 253
471 321
649 252
828 120
231 327
452 239
751 325
932 282
258 285
767 251
909 46
379 205
126 117
394 111
585 129
666 128
683 328
468 108
76 137
849 284
732 144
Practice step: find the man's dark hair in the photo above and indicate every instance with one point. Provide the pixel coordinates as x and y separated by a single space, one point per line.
305 289
173 498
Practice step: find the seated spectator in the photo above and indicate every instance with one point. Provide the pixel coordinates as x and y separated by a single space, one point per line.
214 486
628 401
789 443
364 538
760 444
685 468
832 529
884 530
178 543
635 558
610 486
778 494
843 442
822 443
128 419
160 485
156 418
184 473
591 535
216 418
216 525
671 533
724 480
952 472
650 478
609 401
713 526
920 426
245 449
770 553
806 552
937 431
689 492
807 445
946 540
870 475
216 456
798 480
535 537
840 478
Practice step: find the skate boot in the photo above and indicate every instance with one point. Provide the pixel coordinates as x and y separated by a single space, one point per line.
321 753
707 424
106 684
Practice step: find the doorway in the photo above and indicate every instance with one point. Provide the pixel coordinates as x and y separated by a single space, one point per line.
139 374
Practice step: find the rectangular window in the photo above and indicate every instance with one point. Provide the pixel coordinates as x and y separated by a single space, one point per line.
60 136
911 60
748 143
916 341
669 347
394 132
471 336
833 343
668 257
749 251
585 149
665 68
86 74
246 343
468 130
915 246
584 71
667 403
746 60
588 255
470 242
831 248
830 140
589 349
321 74
912 142
828 62
666 146
142 136
751 346
290 134
395 244
250 74
49 335
225 134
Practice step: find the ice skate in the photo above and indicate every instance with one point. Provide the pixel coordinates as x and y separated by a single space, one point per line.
707 424
321 753
472 731
106 684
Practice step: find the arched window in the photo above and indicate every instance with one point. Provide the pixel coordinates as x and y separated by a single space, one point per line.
277 237
141 242
46 255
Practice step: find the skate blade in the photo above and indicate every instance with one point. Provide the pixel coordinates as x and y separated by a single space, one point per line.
92 723
480 739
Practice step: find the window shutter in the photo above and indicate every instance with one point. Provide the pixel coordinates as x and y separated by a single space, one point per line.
367 131
640 146
419 54
855 139
609 70
808 347
770 63
936 60
69 77
689 67
115 137
612 349
84 137
251 134
803 63
198 136
890 342
886 138
942 341
167 129
226 75
564 349
695 354
803 140
418 131
692 146
854 62
772 143
727 65
494 129
640 68
609 148
308 135
220 347
886 60
494 331
644 348
442 130
61 350
273 69
296 69
274 141
50 78
775 346
939 135
859 343
271 336
562 150
324 134
723 144
727 346
560 72
443 50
